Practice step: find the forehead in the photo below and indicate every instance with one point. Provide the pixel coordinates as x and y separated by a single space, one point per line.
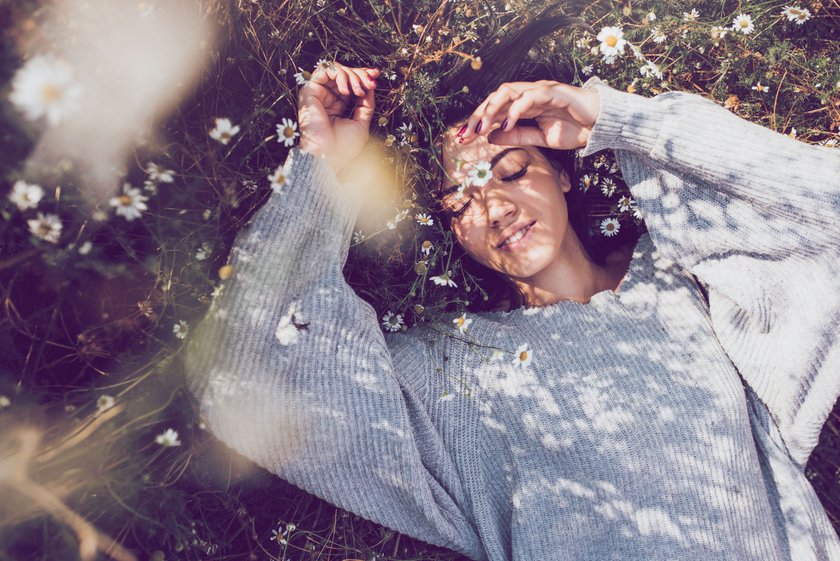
458 156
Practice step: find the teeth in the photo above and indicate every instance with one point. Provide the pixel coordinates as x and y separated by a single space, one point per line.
516 237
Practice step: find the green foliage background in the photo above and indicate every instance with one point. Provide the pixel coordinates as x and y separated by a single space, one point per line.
75 327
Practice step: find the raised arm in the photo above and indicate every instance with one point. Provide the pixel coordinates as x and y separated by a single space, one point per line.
742 186
290 368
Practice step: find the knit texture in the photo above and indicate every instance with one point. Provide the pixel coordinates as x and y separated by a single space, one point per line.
649 425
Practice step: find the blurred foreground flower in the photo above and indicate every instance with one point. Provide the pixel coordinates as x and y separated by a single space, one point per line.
157 173
104 403
46 226
168 438
130 203
223 130
278 179
181 329
26 195
480 174
4 402
45 86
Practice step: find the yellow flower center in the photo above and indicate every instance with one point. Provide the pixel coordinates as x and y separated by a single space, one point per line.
44 229
611 41
50 93
288 132
279 178
427 244
125 200
523 356
744 23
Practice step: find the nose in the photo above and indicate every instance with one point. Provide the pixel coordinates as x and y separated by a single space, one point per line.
501 211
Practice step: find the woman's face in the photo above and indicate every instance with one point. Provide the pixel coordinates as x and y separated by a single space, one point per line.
524 196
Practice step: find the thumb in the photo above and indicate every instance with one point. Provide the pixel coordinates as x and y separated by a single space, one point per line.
364 109
518 136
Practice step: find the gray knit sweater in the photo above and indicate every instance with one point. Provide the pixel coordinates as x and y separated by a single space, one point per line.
648 426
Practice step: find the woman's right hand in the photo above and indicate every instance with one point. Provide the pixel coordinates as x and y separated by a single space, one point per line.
322 103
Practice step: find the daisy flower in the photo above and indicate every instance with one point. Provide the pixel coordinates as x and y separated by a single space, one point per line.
168 438
392 224
444 280
425 220
624 203
4 402
358 236
612 41
392 322
637 212
26 195
45 87
608 187
426 247
743 23
287 131
718 32
46 226
223 130
480 174
759 88
797 14
658 36
157 173
587 69
587 181
202 252
181 329
524 355
286 332
104 403
462 323
323 64
130 204
651 16
302 76
610 227
650 69
406 131
691 16
278 179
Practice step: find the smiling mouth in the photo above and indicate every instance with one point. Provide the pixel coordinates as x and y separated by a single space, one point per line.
518 235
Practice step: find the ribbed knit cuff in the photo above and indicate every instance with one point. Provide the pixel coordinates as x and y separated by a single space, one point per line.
625 121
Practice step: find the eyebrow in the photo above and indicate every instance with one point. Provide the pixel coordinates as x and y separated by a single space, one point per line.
493 162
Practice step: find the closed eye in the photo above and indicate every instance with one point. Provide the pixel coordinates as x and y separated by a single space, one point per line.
516 175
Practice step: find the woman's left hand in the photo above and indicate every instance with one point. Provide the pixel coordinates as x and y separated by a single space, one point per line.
564 114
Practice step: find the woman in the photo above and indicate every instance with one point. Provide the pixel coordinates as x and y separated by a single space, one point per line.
523 435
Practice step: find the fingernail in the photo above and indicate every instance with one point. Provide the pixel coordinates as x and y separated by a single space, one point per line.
504 124
478 128
462 131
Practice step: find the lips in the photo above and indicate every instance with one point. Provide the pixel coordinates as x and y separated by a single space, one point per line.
514 230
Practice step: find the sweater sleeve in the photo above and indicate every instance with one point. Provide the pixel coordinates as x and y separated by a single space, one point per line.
754 215
290 368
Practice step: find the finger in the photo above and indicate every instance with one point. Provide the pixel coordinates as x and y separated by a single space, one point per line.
531 104
363 113
341 81
476 124
355 82
366 76
497 102
518 136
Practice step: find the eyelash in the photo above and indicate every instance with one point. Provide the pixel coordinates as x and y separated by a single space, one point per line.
458 213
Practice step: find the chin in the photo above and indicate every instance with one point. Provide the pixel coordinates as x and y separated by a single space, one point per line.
526 264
